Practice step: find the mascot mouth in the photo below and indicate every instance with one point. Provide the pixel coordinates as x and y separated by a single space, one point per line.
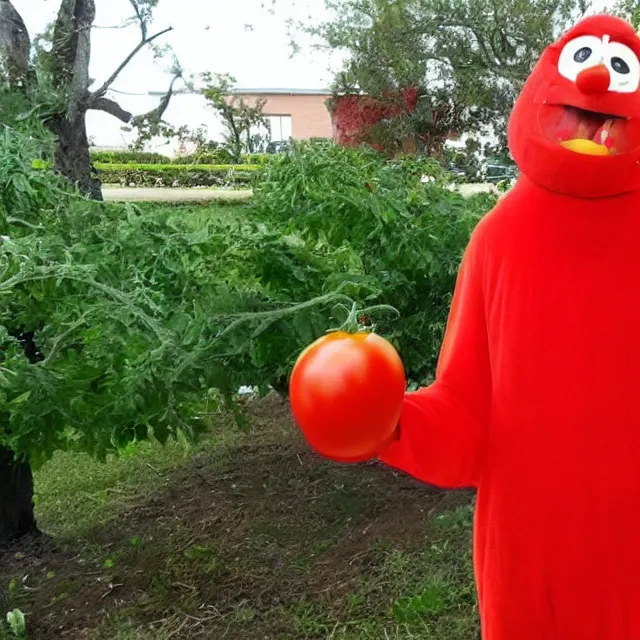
588 132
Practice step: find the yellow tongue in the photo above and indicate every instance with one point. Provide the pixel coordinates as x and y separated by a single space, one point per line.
586 147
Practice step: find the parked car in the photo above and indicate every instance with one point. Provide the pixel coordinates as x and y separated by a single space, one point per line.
456 171
499 173
278 146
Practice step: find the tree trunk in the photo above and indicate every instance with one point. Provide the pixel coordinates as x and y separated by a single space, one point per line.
16 498
72 158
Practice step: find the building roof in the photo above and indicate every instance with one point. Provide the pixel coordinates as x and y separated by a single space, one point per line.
292 92
262 91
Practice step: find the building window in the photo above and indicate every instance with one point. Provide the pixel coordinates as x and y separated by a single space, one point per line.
280 131
281 127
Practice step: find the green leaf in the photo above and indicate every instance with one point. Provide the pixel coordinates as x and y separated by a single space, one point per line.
23 397
17 622
199 552
12 588
135 542
199 237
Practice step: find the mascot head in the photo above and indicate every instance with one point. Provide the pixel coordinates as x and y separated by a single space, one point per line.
575 129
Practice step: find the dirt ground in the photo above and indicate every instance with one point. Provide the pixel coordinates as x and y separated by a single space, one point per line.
165 194
262 540
169 195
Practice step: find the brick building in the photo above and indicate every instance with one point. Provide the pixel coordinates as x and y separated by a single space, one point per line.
293 113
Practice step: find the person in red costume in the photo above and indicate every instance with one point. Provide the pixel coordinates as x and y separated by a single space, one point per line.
536 401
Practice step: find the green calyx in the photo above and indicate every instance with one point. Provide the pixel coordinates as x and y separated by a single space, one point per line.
359 321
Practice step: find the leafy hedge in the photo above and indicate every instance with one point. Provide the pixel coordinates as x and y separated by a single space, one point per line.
391 238
129 157
256 158
152 175
147 321
218 156
142 321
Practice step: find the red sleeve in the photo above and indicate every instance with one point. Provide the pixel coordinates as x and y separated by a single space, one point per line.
443 427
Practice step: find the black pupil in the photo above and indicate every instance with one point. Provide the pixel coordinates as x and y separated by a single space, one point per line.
582 55
620 66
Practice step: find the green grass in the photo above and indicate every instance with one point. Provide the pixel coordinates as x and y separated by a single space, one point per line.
246 535
197 215
225 211
242 536
165 168
74 492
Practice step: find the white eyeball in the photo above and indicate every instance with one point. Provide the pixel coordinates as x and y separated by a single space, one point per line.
623 66
589 51
580 54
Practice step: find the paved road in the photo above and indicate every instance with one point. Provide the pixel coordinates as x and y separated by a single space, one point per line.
164 194
467 190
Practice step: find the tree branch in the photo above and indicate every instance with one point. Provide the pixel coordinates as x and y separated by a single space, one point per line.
71 51
15 44
111 107
164 103
143 43
156 114
140 17
80 78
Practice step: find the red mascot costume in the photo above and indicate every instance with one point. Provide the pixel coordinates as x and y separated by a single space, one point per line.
537 397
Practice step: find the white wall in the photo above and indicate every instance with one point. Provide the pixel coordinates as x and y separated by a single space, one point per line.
105 131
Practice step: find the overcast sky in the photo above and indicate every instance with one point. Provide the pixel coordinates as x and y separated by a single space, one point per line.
221 36
209 35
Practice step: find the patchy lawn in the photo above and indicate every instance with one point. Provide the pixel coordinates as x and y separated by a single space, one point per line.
247 536
167 195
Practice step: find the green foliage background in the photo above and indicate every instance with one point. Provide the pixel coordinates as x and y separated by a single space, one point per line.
468 58
217 157
178 175
391 237
147 320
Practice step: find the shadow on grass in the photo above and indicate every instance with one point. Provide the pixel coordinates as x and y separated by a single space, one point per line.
248 536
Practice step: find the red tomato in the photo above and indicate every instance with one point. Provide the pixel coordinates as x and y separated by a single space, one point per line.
346 394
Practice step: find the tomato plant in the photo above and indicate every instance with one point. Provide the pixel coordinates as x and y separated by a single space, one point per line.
346 394
400 244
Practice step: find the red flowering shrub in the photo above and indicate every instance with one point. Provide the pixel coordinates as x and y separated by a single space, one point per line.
354 116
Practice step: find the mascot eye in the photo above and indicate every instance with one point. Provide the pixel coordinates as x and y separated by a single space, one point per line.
582 55
620 66
624 67
579 54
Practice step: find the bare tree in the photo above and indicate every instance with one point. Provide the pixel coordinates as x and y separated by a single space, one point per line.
15 44
67 70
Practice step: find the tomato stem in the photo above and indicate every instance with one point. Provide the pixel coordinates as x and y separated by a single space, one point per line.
381 307
353 322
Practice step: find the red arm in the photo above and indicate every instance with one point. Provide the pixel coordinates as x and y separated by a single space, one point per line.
443 427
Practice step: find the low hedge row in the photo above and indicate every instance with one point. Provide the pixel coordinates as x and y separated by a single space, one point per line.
162 175
128 157
222 156
256 158
219 156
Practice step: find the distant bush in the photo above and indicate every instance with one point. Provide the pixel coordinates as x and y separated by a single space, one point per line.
155 175
396 237
218 156
134 313
256 158
129 157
